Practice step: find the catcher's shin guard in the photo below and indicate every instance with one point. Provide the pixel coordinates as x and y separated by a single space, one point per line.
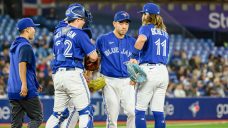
57 118
84 114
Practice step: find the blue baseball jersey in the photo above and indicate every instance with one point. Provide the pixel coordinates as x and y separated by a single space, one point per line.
114 53
70 46
156 48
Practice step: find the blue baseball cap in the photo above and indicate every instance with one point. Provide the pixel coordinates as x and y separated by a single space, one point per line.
150 8
121 16
25 23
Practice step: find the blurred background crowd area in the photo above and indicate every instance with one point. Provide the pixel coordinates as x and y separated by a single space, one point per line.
198 61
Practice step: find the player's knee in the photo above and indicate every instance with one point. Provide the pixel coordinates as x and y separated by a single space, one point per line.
87 111
159 119
61 115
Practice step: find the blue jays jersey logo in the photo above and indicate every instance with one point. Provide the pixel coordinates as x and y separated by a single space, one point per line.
116 50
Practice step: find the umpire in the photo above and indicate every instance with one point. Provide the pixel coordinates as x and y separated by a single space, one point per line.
22 83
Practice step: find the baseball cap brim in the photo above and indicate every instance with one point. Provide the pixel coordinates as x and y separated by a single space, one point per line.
36 25
141 11
123 20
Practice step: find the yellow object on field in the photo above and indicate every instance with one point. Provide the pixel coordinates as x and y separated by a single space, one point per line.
97 84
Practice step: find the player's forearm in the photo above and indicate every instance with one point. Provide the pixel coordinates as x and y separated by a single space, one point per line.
140 42
22 72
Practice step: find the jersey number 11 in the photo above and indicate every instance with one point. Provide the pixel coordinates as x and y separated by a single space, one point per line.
160 44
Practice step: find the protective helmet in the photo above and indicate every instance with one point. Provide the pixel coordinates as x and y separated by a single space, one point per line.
75 11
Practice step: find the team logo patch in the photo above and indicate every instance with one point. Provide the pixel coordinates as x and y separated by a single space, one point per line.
194 108
125 14
110 42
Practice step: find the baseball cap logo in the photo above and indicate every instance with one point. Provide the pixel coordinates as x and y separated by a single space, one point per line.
125 14
122 15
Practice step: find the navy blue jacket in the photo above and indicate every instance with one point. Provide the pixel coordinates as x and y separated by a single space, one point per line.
14 82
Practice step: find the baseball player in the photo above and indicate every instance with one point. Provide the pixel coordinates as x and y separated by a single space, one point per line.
23 86
115 48
153 46
73 117
71 44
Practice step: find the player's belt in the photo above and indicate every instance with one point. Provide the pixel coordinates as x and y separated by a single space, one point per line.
152 64
67 69
119 77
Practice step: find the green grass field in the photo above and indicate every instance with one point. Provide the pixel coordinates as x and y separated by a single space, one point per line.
187 125
173 124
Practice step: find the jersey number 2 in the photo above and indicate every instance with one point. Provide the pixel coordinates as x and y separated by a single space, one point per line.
68 48
160 44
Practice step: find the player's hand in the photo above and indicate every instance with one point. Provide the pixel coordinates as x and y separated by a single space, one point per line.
133 83
134 61
87 79
88 75
40 89
24 90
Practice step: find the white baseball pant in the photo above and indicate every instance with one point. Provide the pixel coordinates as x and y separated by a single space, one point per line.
119 93
70 85
152 92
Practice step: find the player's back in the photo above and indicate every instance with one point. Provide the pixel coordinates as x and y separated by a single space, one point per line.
67 47
156 47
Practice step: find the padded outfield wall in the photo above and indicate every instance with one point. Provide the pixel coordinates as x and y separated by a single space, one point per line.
175 109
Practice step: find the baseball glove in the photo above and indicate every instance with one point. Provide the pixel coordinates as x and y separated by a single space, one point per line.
91 66
136 73
97 84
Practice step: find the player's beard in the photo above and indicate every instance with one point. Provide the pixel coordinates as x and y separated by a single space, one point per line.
122 32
